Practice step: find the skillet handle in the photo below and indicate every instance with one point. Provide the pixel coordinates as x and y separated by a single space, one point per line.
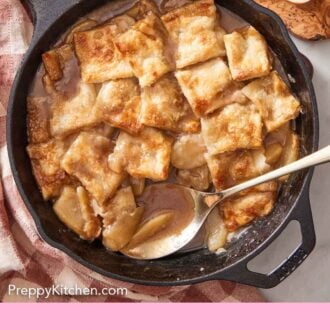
240 272
45 12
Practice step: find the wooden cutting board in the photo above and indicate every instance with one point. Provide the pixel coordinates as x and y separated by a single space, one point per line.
309 21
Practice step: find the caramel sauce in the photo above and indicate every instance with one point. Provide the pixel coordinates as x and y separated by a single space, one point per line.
158 199
37 87
69 84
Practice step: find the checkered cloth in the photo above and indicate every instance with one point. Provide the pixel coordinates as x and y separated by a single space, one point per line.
26 261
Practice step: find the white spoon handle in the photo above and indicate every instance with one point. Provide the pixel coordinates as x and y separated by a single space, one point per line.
320 157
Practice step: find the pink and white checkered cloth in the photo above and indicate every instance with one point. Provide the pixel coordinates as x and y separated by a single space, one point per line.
25 259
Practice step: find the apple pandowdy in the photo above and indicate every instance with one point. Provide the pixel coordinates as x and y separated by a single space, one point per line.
148 97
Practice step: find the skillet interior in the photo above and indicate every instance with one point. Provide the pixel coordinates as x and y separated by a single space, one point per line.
183 268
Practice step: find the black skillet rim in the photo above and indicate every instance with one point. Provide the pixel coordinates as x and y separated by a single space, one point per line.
304 188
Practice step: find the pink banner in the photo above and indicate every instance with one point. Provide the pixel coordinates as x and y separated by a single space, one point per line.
165 316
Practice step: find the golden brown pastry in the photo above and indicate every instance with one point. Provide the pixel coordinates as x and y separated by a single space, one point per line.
144 46
69 115
46 158
195 32
165 107
235 127
87 160
240 211
38 120
146 155
99 58
247 53
273 99
119 104
231 168
204 84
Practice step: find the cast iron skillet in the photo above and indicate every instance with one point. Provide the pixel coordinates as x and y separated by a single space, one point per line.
52 18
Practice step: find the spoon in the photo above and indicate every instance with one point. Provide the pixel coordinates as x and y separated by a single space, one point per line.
203 204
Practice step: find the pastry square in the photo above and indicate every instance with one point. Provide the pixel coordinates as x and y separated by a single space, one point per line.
219 169
235 127
87 160
240 211
231 168
146 155
144 46
165 107
247 53
54 61
195 32
274 100
204 84
45 159
74 209
99 58
119 103
72 114
248 164
37 120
